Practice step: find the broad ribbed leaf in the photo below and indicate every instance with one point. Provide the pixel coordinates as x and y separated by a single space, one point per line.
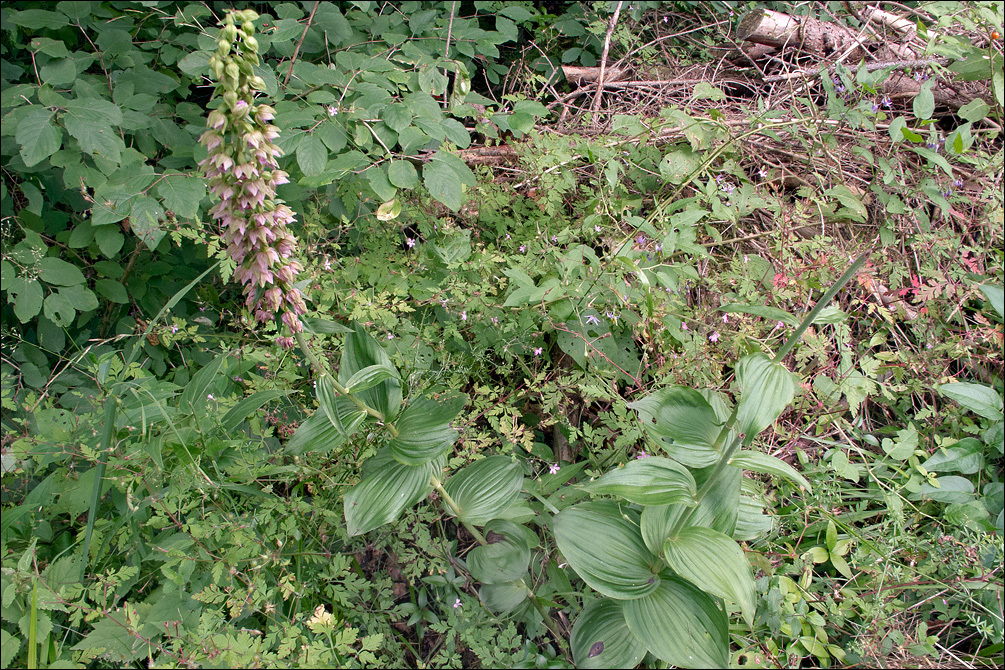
680 624
978 398
681 421
505 558
369 377
424 430
647 481
766 389
360 351
758 462
484 489
382 496
601 638
193 398
714 563
248 406
606 549
501 598
342 413
717 510
315 435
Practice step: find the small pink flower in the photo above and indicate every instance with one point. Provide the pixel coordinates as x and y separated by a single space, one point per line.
683 325
538 351
714 337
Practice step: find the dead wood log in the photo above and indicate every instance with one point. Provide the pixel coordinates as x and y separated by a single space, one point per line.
783 31
579 75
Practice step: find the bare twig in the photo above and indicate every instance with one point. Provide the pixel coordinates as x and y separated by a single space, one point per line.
296 52
603 61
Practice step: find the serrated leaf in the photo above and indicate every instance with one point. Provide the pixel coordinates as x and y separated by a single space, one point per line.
312 156
504 559
26 296
978 398
182 193
38 136
57 271
382 496
606 549
145 214
647 481
484 489
112 291
443 184
758 462
92 122
714 563
766 389
601 637
343 414
402 174
424 430
682 422
59 309
680 624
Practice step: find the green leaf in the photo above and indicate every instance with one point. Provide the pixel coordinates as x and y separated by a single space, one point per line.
924 102
182 193
323 326
758 462
402 174
109 239
484 489
602 543
59 309
193 398
92 122
312 156
245 407
343 414
369 377
504 597
601 637
979 399
112 291
195 64
443 184
714 563
38 136
315 435
647 481
996 296
766 389
111 634
397 116
680 625
681 421
965 457
951 489
504 559
59 72
26 296
83 298
57 271
145 214
382 496
424 430
974 111
360 350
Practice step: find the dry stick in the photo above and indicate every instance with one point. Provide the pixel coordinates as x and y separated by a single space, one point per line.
296 51
446 51
603 62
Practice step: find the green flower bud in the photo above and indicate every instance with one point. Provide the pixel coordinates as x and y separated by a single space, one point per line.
251 43
230 98
223 48
248 28
233 71
257 83
228 33
246 68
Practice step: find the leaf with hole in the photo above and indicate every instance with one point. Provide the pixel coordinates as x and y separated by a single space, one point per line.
601 637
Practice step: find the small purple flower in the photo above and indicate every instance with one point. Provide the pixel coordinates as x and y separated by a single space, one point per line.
174 329
641 239
464 315
725 318
683 325
886 102
778 325
332 110
523 248
554 468
875 107
554 238
592 319
714 337
495 320
641 455
457 603
958 183
762 173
